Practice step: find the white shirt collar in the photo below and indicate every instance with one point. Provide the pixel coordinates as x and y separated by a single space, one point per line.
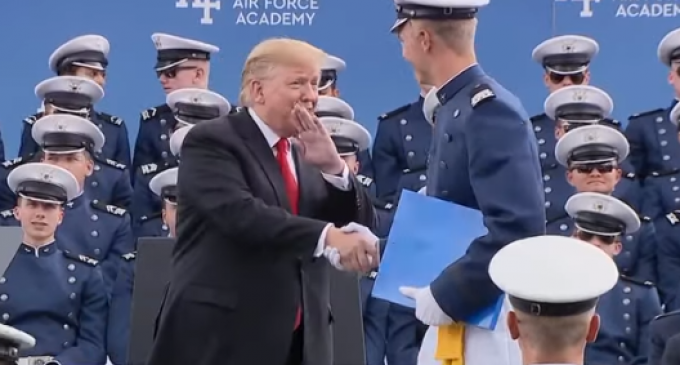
271 136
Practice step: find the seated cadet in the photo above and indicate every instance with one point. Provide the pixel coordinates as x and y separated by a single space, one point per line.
328 83
190 106
592 156
652 148
163 185
57 296
85 56
565 60
661 330
180 63
11 342
90 227
625 311
663 205
553 296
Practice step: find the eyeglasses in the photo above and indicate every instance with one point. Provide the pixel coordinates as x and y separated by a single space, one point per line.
172 72
576 79
587 236
587 169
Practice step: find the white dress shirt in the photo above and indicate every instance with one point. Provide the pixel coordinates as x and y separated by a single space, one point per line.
340 182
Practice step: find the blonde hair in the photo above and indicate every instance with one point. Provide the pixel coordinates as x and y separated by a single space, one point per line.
554 334
457 35
269 54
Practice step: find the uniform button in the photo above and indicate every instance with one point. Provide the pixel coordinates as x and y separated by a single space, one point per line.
629 238
442 164
675 188
659 119
408 137
4 297
626 316
666 157
403 122
72 296
70 315
94 217
164 227
5 316
94 234
622 345
97 251
164 137
164 154
662 131
563 227
422 177
97 167
100 126
543 155
2 280
626 289
163 121
456 113
71 280
546 177
411 154
621 359
547 204
626 301
541 141
71 267
673 179
548 190
96 201
663 143
67 327
537 128
628 330
677 200
65 344
94 184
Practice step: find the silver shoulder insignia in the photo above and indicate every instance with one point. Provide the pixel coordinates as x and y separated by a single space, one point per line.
480 93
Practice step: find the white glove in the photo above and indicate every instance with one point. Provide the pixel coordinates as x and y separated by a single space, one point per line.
332 254
427 309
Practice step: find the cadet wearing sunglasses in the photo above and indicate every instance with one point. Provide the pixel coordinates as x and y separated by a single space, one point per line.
627 310
593 156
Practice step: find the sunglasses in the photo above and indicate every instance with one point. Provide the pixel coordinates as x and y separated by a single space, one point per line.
587 169
586 236
576 79
171 73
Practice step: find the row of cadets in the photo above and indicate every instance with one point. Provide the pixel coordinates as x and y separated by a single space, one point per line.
655 150
188 106
663 195
90 227
627 310
592 156
180 63
554 295
85 56
12 341
565 60
56 295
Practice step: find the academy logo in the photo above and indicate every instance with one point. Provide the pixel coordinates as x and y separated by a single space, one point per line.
275 12
206 5
627 8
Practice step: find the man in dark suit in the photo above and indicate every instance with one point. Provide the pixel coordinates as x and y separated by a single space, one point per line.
258 222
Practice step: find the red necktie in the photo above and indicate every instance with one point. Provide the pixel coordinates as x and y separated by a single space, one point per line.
292 192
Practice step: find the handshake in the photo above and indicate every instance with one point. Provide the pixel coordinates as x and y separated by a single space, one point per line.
352 248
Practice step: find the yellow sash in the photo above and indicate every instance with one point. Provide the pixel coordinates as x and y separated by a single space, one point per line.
450 344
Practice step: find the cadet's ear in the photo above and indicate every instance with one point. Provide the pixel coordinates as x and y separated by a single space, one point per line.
513 325
586 77
593 328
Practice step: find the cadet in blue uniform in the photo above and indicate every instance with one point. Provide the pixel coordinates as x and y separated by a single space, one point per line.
661 330
592 156
110 181
190 106
565 60
90 227
553 296
625 311
328 84
56 295
654 145
84 56
180 63
482 140
11 342
663 204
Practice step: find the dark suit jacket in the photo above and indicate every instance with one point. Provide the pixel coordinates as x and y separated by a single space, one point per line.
242 261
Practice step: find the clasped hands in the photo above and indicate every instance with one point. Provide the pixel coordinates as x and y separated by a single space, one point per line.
352 248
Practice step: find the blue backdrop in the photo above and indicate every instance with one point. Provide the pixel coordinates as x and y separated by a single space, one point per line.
377 79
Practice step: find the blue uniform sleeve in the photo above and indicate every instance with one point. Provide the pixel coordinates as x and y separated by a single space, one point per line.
90 346
649 307
505 176
652 203
118 330
668 257
123 147
646 267
635 134
122 190
144 201
27 145
142 154
123 243
386 168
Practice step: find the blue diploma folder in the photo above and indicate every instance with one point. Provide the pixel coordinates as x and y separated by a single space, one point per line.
427 235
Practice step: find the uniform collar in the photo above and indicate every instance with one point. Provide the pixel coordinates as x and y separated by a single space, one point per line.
76 202
44 250
457 82
673 103
269 134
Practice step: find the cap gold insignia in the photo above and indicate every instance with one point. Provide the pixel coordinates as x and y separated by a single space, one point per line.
591 137
47 177
196 99
598 207
61 127
580 95
74 86
157 43
568 47
334 129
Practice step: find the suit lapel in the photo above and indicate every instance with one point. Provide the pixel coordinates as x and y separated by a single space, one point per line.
258 146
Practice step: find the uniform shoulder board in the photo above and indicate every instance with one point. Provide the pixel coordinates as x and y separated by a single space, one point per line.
111 118
630 175
7 213
115 164
394 112
644 218
152 113
30 120
538 117
150 168
10 164
647 113
130 256
82 258
365 180
480 93
637 281
111 209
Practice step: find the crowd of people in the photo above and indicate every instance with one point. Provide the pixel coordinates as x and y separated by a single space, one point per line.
82 199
